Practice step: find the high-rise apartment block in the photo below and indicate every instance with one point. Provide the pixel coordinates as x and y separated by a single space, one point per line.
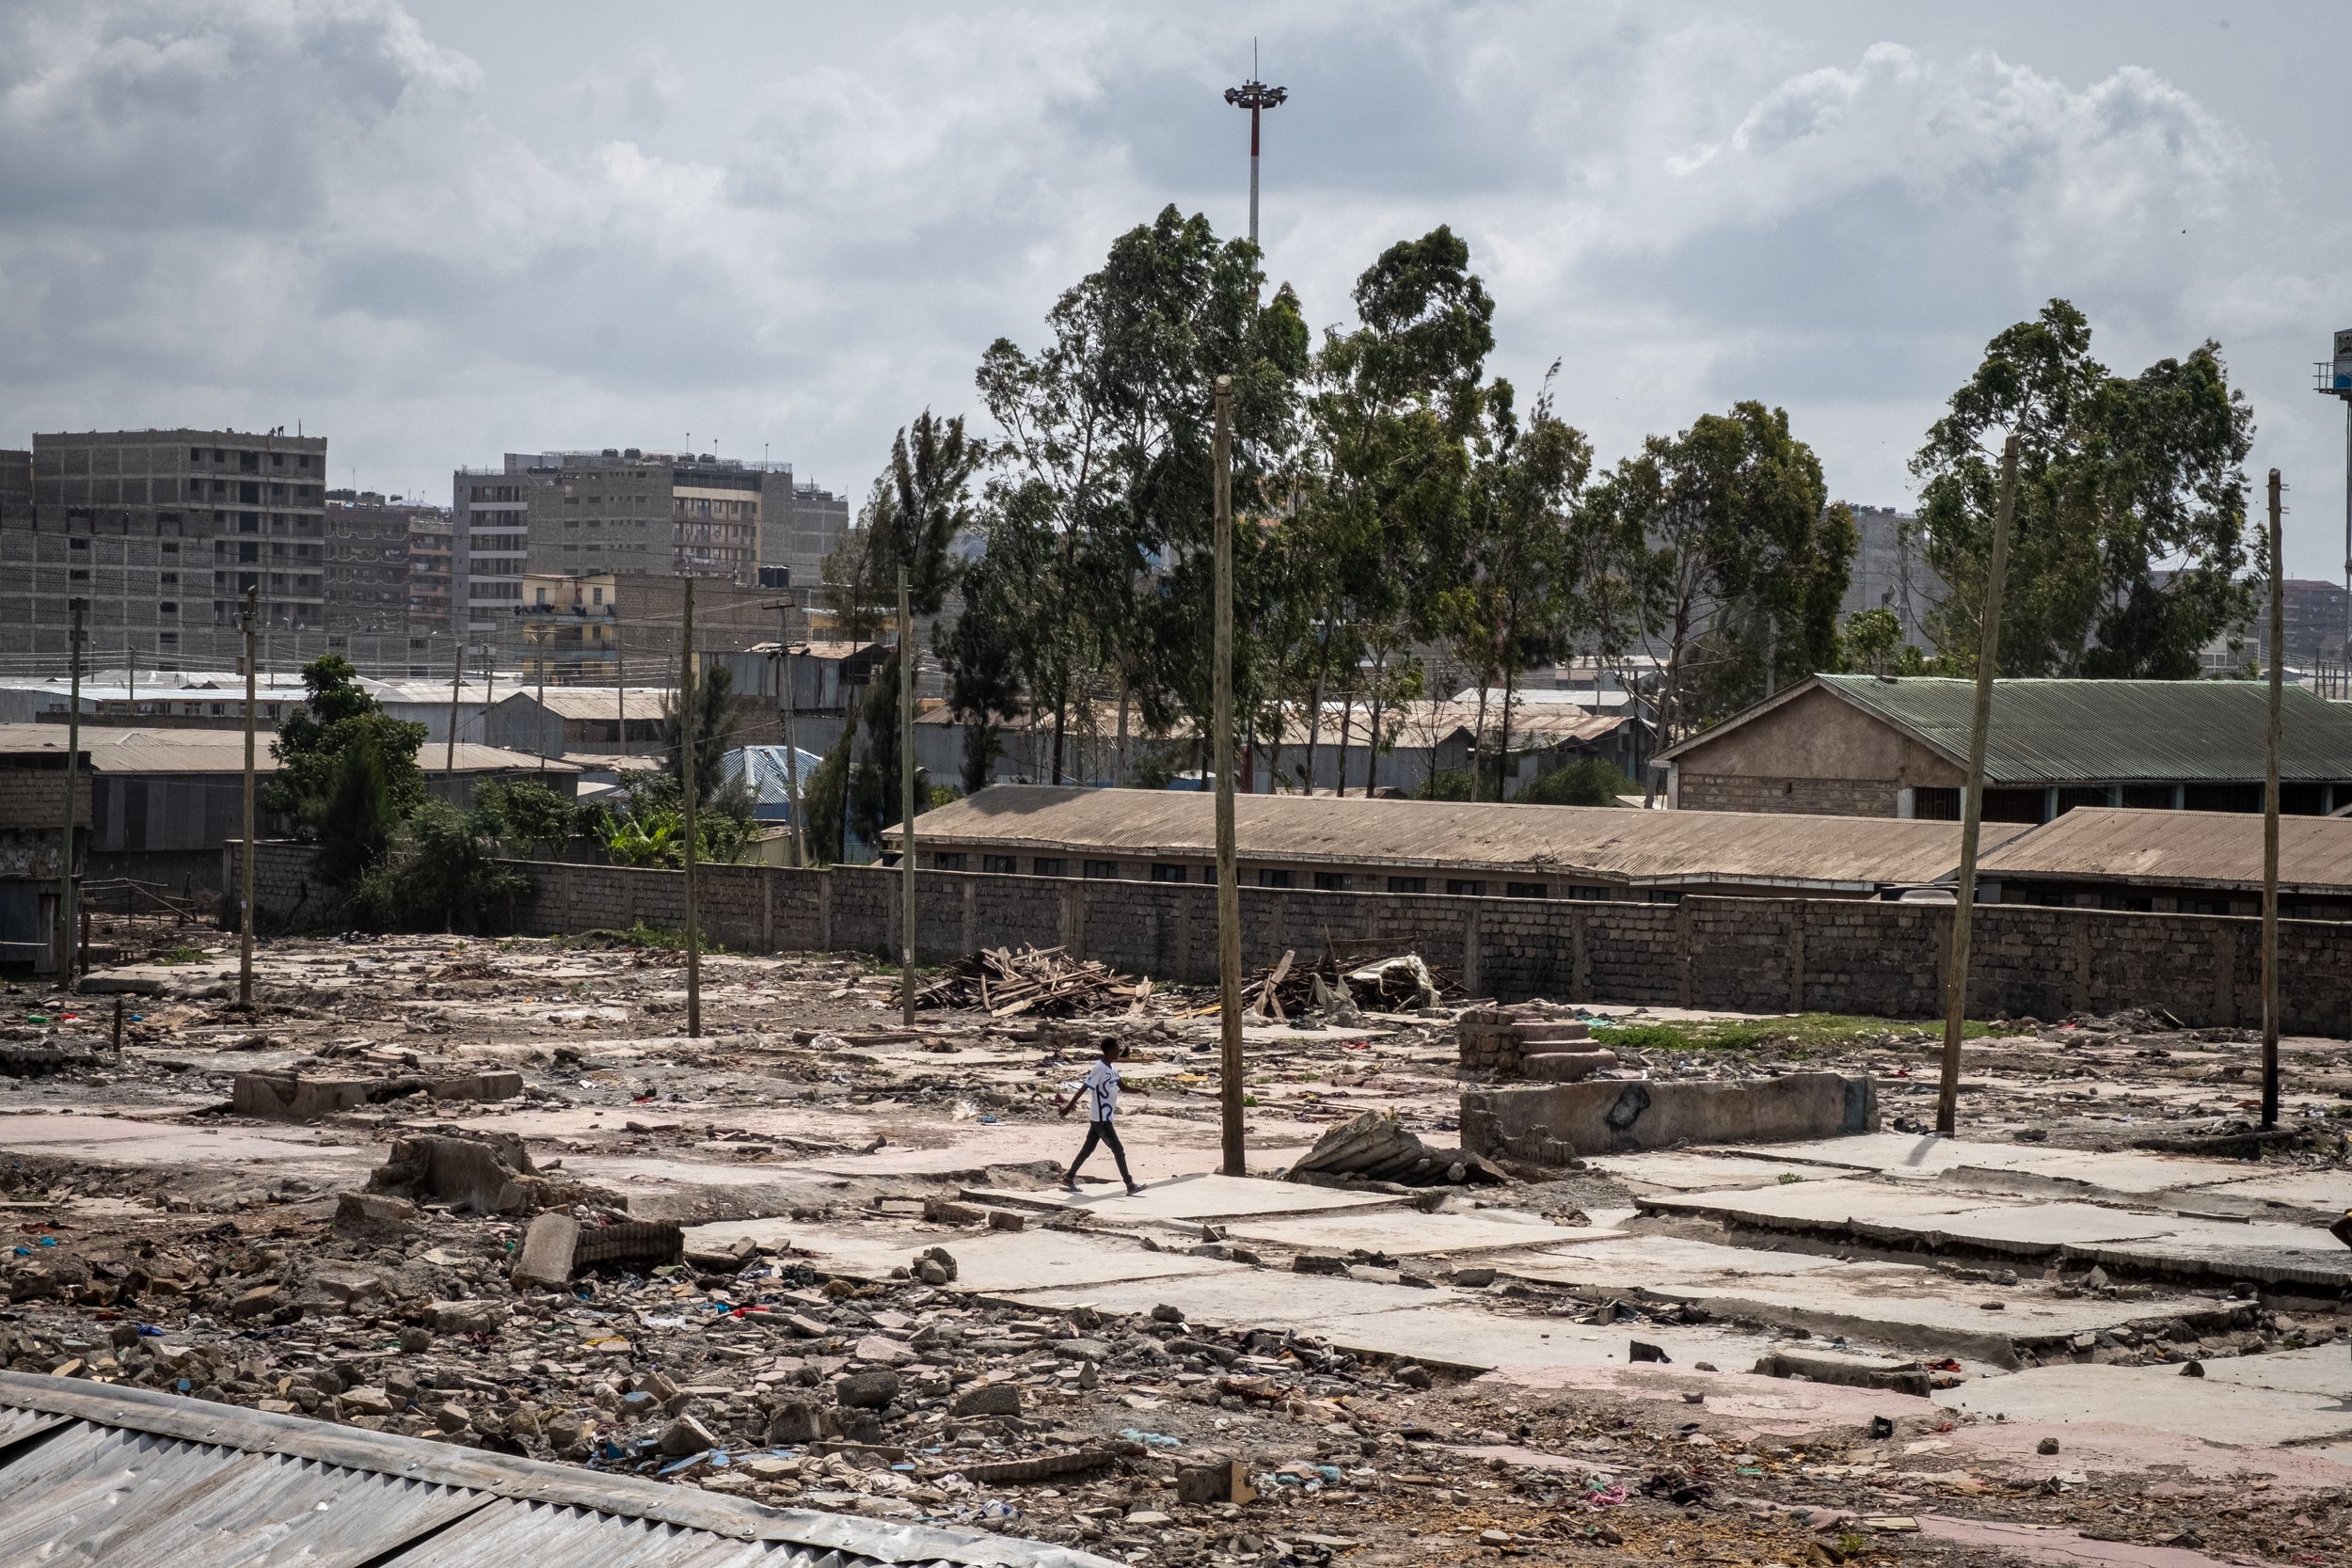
160 532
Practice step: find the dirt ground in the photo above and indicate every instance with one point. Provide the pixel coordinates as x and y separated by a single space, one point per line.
164 1241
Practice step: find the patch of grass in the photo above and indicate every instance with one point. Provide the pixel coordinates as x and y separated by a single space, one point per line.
638 935
184 954
1798 1035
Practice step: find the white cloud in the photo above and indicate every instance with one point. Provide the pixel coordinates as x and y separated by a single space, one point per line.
440 234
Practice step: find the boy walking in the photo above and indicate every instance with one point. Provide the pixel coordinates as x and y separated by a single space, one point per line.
1100 1091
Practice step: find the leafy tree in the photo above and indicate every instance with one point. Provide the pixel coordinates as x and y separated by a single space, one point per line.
1585 781
874 793
981 650
825 798
1107 451
918 510
1873 641
347 770
1509 608
527 815
2114 475
1745 561
716 727
442 871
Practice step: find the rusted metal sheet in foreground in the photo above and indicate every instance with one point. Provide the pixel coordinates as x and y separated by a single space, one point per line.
100 1475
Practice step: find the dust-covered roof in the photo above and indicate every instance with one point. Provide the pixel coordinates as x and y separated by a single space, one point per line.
2182 849
2046 732
124 751
1602 843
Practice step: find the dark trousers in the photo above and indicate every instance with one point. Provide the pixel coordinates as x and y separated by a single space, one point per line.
1104 1133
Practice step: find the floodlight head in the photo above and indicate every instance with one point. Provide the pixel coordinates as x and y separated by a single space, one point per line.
1254 94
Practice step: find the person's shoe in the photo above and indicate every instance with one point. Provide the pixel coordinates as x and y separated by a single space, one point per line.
1133 1188
1069 1183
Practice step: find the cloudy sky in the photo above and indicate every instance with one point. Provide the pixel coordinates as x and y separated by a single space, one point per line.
440 231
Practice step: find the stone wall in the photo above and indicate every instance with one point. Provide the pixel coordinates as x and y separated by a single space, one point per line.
1755 954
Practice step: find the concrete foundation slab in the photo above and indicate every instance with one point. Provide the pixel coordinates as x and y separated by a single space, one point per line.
1468 1338
1194 1197
1956 1160
1403 1233
2322 1194
106 1140
2020 1229
1831 1203
1244 1297
1615 1115
1758 1405
1677 1171
2157 1398
2317 1370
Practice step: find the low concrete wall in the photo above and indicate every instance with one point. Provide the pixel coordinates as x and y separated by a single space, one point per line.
1752 955
1548 1122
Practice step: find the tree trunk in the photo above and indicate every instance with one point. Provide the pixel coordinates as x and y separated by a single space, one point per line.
1478 740
1503 746
1119 775
1314 715
1347 717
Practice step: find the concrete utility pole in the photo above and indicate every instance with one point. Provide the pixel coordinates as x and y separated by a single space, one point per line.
686 739
244 900
620 681
543 706
787 699
69 907
1256 97
457 684
1229 1073
2270 820
906 803
1972 805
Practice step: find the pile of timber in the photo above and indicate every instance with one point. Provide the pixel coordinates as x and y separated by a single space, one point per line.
1040 982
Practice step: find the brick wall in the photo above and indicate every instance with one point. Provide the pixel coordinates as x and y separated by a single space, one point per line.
1754 955
33 797
1812 797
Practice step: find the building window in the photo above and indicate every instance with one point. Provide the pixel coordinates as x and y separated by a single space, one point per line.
1334 882
1588 892
1665 896
1003 866
1937 805
168 607
1049 866
946 861
1408 884
1164 872
1467 888
1524 890
1102 868
1273 878
2135 903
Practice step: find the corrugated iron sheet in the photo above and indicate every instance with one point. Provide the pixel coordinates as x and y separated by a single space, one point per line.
131 1477
114 751
2114 732
98 1494
2187 848
1601 843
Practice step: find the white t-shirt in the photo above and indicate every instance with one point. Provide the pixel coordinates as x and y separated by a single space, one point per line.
1102 1085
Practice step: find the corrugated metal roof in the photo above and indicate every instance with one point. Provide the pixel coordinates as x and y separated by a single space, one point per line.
164 750
130 1476
596 701
1600 842
2046 732
2186 849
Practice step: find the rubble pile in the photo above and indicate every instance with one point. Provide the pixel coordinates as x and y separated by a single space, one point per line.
1375 1147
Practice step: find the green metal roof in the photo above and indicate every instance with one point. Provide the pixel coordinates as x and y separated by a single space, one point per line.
2115 731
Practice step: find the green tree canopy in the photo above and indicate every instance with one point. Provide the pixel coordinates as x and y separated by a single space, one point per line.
347 770
2130 542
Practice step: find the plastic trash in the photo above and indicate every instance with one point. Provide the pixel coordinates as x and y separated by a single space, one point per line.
1150 1439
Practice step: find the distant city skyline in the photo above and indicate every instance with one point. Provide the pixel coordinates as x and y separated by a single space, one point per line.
437 232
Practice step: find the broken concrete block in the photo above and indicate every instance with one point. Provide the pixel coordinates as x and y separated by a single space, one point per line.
1006 1219
375 1211
940 1211
478 1085
476 1172
468 1317
260 1299
289 1097
988 1398
935 1265
364 1401
1565 1066
722 1257
1377 1146
867 1391
883 1351
544 1260
802 1421
638 1246
687 1435
1318 1263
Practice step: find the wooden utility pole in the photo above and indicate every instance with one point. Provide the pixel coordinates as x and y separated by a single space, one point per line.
244 898
620 681
69 907
787 699
542 706
1222 721
685 746
2270 820
457 684
1972 799
906 803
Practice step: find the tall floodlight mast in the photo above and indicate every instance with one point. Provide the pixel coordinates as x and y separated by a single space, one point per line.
1255 96
2334 378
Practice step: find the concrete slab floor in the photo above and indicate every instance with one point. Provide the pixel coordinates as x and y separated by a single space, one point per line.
1680 1171
1194 1197
2314 1370
1403 1233
1254 1297
1475 1339
1916 1154
1830 1203
2158 1399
